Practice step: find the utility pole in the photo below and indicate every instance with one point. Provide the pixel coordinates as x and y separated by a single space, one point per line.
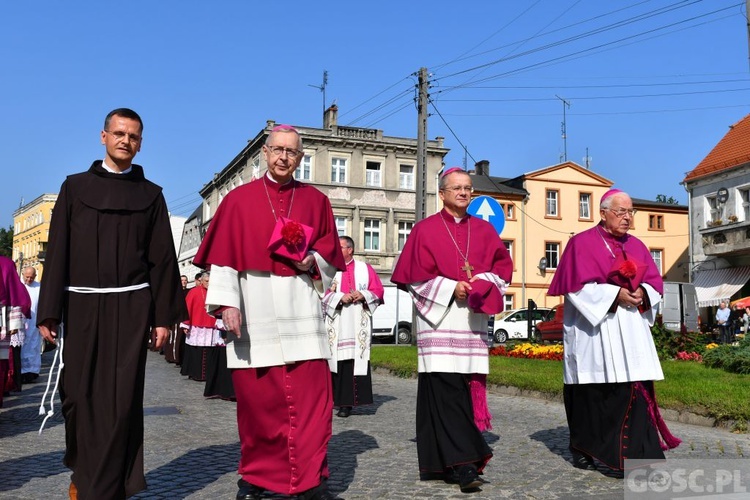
747 22
566 104
322 88
421 186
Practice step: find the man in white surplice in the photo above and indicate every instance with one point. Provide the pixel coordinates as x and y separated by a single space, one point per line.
612 288
349 306
456 269
31 351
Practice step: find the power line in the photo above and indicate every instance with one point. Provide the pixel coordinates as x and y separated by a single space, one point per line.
590 98
580 36
582 51
537 35
599 113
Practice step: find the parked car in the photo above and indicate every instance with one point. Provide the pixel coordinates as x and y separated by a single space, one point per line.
552 329
514 324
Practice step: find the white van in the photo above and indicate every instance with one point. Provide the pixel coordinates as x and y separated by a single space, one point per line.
679 307
393 316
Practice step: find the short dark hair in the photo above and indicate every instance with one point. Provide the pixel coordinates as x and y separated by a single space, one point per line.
125 113
349 241
198 276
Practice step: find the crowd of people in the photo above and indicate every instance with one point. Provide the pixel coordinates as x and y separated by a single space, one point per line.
279 322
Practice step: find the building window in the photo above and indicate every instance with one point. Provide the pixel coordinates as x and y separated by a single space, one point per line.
655 222
712 209
338 170
508 302
404 228
509 246
406 176
341 226
372 174
552 200
509 210
304 171
372 235
584 206
552 254
744 199
657 255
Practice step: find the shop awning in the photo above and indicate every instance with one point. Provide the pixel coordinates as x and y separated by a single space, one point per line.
714 285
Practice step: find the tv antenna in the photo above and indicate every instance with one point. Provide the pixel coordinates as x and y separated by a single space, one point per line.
322 88
587 160
566 105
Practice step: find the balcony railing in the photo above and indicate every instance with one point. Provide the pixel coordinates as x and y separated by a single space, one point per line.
725 237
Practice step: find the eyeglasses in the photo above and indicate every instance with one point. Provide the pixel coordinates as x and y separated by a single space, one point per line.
121 136
620 213
458 189
290 153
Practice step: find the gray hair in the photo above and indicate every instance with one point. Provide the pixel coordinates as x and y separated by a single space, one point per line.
607 203
279 129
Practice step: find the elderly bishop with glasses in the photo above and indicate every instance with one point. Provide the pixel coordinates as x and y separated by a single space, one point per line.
273 250
456 269
612 289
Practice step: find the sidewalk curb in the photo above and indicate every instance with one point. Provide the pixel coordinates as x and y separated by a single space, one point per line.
684 417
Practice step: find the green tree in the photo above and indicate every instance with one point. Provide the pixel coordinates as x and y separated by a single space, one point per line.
6 241
662 198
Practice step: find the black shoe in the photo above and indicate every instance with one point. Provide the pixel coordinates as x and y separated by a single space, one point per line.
468 479
248 491
582 461
320 492
344 411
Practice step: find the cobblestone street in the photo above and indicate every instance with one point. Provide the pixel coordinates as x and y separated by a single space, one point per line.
192 449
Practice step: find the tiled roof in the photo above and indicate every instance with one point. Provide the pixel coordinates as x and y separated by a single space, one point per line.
732 150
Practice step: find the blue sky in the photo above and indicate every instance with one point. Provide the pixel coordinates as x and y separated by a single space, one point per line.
652 85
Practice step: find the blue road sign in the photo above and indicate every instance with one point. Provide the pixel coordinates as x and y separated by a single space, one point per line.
488 209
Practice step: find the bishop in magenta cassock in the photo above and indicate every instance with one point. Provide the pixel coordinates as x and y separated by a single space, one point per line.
456 269
269 296
612 288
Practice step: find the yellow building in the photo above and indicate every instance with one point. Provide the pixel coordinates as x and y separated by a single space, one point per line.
544 208
31 232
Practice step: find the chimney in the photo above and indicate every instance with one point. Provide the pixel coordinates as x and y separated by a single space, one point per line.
482 167
331 116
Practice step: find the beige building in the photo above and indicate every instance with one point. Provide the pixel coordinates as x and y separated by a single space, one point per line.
369 178
544 208
31 232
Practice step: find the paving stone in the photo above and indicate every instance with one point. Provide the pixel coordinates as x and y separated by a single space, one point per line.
192 448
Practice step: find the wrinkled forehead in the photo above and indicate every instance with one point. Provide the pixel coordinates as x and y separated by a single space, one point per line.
621 200
458 177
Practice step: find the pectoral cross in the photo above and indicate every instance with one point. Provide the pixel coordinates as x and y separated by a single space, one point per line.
468 268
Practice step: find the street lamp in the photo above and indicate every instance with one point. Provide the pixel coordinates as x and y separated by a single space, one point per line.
543 265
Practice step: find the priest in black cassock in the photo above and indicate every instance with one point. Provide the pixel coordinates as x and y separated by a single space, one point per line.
111 276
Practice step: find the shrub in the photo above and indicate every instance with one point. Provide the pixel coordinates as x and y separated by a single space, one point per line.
732 358
669 343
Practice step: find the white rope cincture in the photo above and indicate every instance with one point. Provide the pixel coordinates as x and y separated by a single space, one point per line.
114 289
58 355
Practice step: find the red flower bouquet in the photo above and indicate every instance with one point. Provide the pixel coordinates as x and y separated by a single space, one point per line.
290 239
